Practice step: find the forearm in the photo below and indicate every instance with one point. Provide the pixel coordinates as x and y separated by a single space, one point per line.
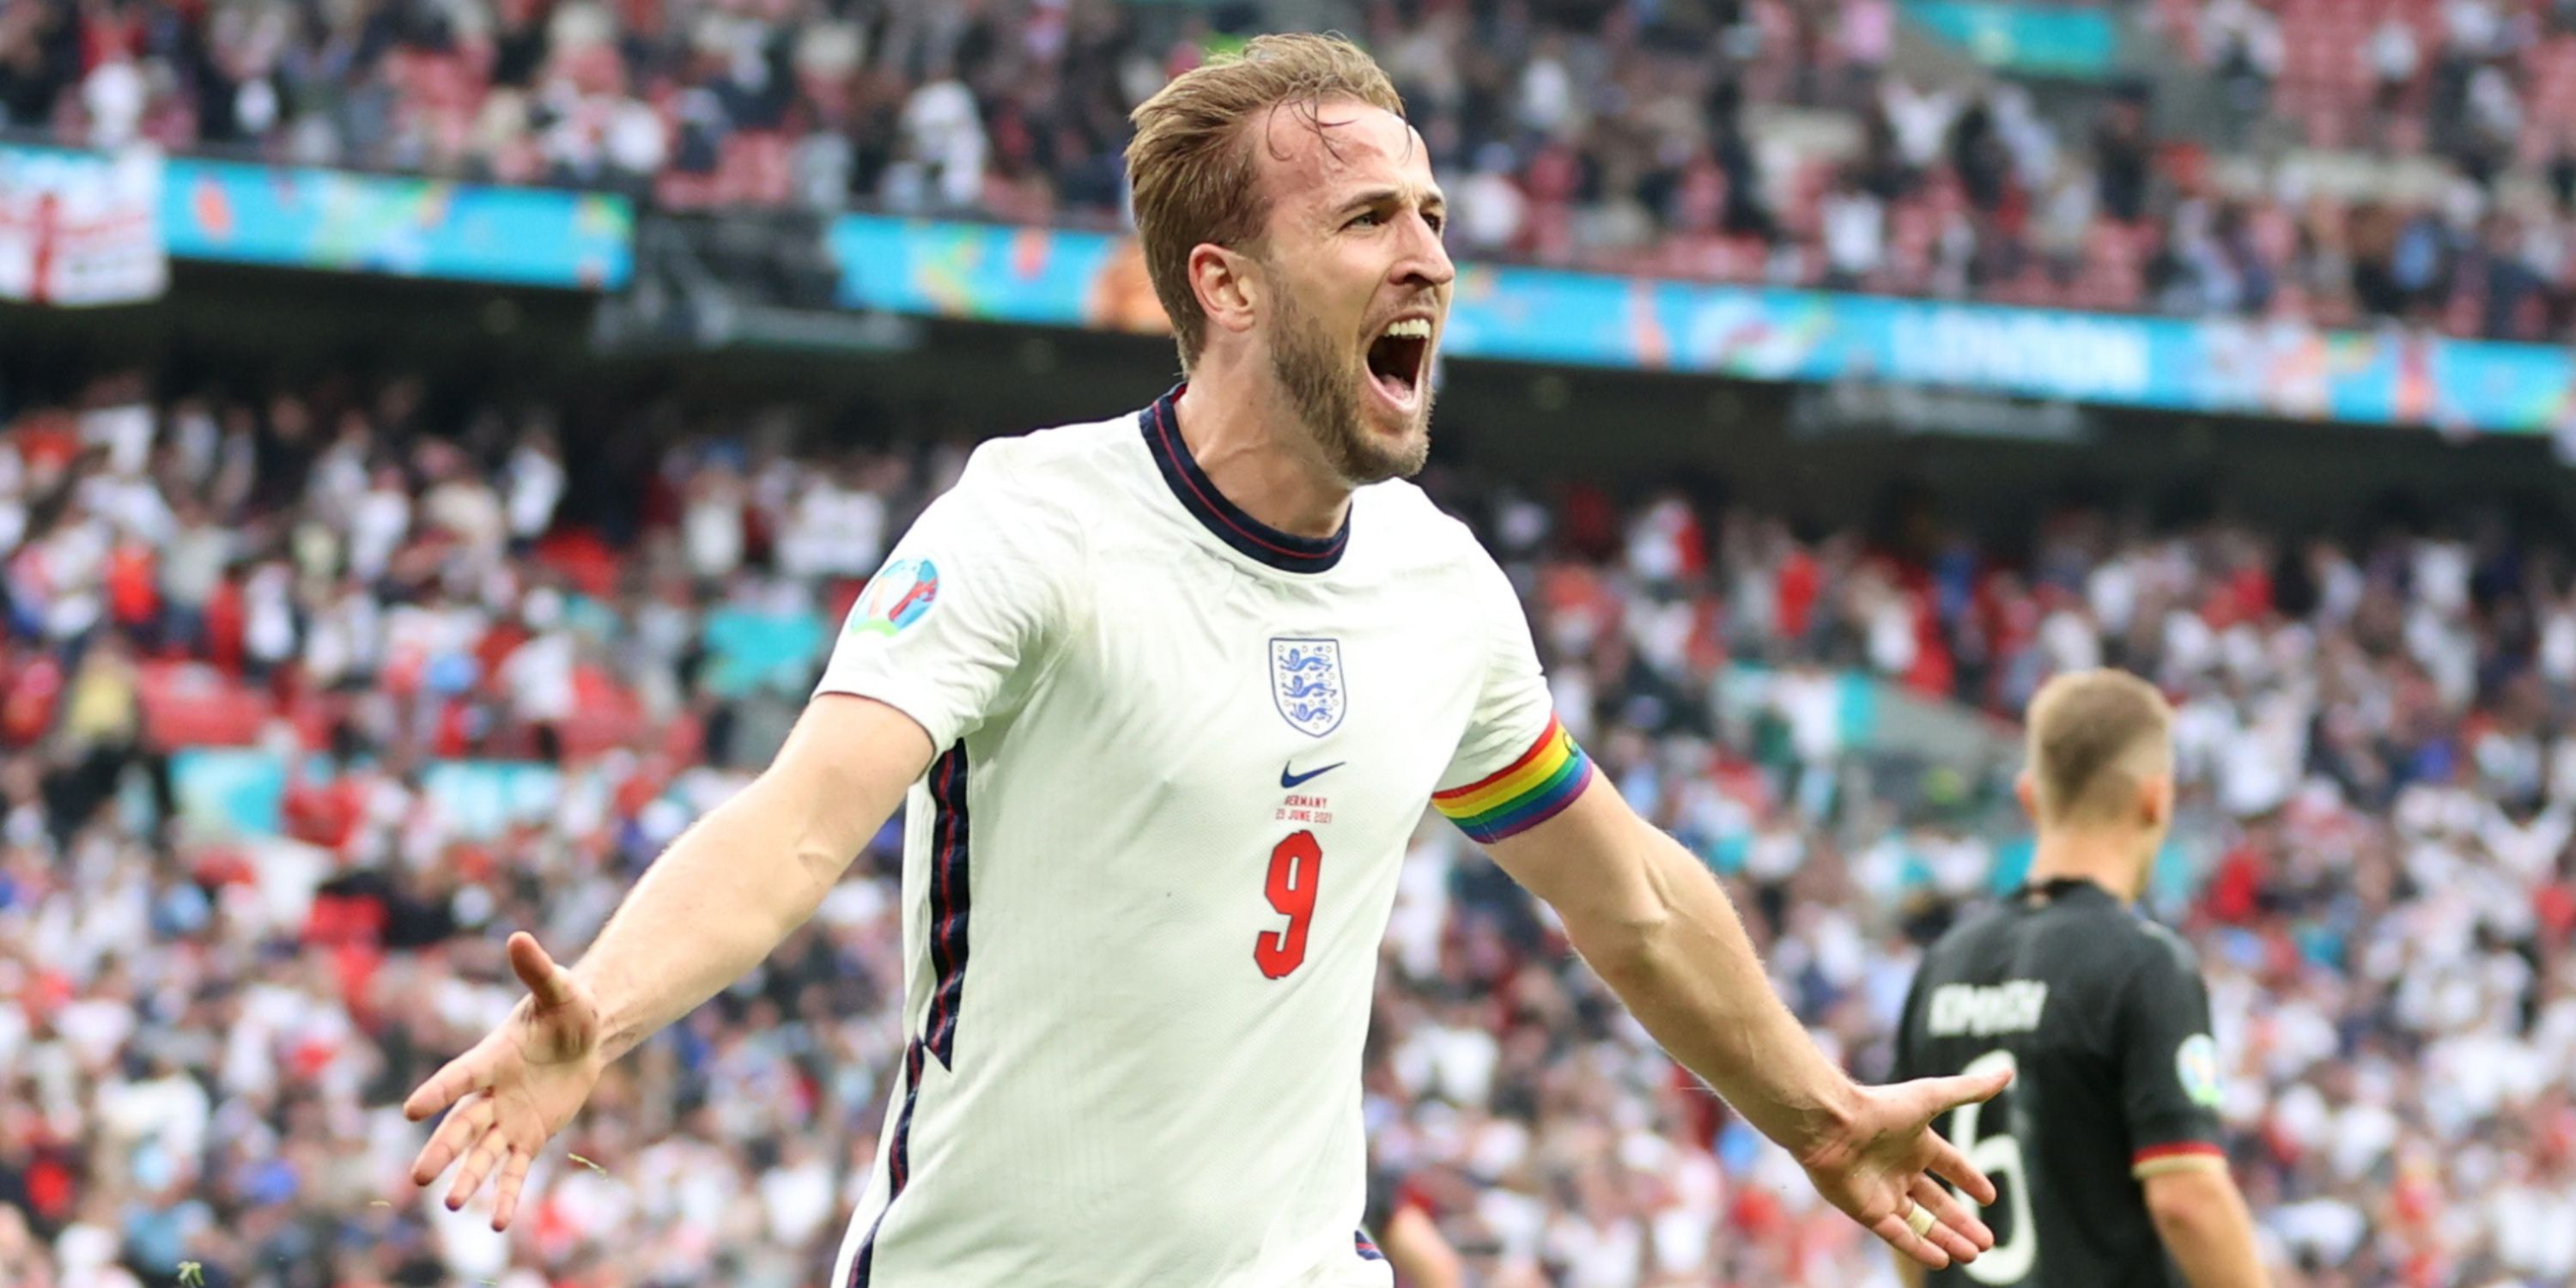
2213 1241
1682 963
714 905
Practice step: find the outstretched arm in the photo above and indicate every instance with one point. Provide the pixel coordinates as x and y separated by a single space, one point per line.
1653 922
716 903
740 880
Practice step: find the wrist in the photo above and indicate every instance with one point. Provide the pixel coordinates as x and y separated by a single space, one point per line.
1823 1129
615 1032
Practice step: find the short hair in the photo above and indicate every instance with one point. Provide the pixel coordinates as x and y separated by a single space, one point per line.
2094 737
1191 163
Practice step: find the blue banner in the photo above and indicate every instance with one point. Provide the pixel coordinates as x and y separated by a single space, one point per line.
408 227
241 791
2227 366
2040 39
295 217
234 791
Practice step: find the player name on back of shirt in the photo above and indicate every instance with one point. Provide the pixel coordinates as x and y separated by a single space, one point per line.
1984 1010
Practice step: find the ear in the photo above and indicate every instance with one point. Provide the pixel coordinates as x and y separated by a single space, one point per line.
1229 286
2156 800
2027 792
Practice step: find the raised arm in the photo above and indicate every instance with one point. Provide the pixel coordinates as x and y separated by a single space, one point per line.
1653 922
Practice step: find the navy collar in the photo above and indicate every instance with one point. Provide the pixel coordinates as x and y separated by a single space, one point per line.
1249 536
2065 890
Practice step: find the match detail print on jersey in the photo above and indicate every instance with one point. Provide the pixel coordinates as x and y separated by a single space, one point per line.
1523 794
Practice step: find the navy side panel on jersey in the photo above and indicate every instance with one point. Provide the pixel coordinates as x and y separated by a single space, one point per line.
948 910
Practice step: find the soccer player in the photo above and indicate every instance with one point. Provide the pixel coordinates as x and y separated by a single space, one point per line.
1168 693
2106 1147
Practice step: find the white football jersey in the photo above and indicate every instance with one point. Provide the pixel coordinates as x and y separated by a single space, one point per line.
1179 757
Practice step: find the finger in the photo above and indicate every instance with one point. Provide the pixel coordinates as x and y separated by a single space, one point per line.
1959 1232
461 1075
505 1195
1952 1166
1892 1228
479 1164
1933 1097
550 983
460 1130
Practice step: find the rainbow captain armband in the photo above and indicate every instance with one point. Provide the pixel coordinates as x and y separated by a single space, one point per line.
1523 794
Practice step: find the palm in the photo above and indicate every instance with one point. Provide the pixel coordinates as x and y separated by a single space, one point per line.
1889 1161
1879 1173
538 1081
515 1088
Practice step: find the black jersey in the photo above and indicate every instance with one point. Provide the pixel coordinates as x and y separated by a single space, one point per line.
2104 1019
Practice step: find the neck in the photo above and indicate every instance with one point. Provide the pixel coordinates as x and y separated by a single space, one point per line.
2109 859
1241 428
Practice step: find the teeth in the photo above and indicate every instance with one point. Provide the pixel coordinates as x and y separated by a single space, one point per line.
1410 329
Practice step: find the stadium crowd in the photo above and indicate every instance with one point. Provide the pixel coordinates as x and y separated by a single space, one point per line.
1619 135
216 987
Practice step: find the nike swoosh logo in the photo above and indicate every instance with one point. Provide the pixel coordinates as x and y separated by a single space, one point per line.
1288 780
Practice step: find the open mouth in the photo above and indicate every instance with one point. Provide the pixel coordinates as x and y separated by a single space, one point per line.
1395 358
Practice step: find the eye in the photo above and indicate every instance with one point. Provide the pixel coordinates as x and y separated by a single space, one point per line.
1365 219
1438 220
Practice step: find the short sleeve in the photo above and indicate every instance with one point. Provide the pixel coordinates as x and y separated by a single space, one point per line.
1516 766
963 612
2169 1080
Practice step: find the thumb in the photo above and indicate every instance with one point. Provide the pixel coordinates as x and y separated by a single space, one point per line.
1937 1096
550 983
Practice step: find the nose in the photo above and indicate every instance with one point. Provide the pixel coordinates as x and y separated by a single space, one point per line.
1425 261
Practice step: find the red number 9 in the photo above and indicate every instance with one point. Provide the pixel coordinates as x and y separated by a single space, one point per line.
1296 864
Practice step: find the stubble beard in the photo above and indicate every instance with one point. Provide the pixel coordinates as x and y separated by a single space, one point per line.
1322 390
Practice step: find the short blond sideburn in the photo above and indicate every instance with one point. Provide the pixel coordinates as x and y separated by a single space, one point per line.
2095 736
1191 163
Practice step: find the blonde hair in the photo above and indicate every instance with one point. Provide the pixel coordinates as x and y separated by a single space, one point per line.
1191 163
2095 736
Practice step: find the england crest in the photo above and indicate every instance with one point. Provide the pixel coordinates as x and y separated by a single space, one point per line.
1306 682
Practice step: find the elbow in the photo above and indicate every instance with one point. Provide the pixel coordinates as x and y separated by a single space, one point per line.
1628 947
1638 931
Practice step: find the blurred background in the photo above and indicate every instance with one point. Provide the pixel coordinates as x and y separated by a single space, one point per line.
441 437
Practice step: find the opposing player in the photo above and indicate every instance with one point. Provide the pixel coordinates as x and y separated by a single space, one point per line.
2106 1147
1168 694
1400 1220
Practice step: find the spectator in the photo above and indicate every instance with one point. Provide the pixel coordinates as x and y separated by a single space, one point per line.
1612 136
2394 61
944 148
1855 227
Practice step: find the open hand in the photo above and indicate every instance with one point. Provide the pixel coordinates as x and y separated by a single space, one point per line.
515 1089
1885 1164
